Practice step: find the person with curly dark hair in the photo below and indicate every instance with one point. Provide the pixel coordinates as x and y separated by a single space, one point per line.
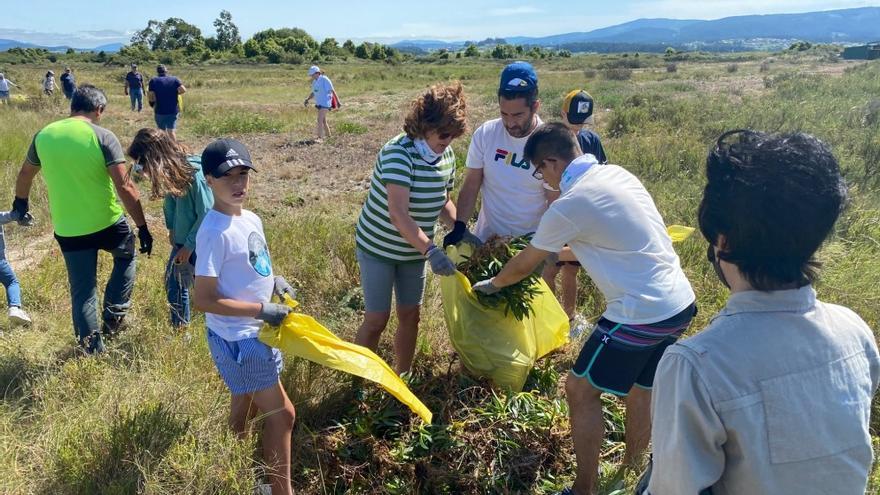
409 191
774 396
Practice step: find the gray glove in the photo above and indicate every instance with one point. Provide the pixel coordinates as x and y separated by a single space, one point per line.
282 287
486 287
440 263
185 273
273 313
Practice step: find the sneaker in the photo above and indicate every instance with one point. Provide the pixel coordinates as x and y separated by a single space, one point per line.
17 316
263 489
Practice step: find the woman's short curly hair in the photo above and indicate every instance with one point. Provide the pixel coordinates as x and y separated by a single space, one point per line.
442 108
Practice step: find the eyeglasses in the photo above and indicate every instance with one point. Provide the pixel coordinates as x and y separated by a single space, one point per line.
537 174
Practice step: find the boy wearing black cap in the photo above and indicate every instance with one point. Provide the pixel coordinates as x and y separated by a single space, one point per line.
577 111
234 285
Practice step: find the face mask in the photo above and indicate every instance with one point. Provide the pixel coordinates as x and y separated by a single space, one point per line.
427 153
716 264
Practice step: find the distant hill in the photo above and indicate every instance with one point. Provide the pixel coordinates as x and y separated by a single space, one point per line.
7 44
739 32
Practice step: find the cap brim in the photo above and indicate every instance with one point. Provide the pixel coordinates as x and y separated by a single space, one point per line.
228 165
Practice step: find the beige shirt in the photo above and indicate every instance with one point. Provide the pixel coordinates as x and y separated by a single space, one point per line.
774 397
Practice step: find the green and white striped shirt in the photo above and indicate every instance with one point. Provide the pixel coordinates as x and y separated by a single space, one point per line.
429 185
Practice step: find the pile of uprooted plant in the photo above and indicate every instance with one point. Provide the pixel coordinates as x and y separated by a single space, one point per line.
487 261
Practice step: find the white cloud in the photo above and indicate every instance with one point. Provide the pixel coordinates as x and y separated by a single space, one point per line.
81 39
512 11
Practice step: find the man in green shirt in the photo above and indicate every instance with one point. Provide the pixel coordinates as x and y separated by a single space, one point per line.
84 169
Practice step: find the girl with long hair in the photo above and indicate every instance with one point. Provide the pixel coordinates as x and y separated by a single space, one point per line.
177 176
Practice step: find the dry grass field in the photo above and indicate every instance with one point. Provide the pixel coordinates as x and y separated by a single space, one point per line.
149 415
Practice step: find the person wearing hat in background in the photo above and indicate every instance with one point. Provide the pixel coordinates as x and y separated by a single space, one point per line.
84 169
234 286
323 93
513 198
577 112
49 83
163 97
134 88
5 85
68 83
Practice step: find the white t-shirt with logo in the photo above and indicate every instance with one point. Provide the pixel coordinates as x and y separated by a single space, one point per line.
610 222
513 200
233 249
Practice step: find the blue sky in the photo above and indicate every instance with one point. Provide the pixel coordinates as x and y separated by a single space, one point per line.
89 23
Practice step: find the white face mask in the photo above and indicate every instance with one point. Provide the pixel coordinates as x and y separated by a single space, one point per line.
575 170
427 153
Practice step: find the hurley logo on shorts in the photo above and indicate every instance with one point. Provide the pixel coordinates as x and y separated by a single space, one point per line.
510 159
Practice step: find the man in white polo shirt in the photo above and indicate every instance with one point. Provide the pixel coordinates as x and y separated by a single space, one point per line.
513 199
615 231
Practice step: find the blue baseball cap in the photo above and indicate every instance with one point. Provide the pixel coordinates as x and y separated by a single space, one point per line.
518 77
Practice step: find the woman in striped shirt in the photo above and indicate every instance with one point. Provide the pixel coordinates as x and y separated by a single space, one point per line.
409 191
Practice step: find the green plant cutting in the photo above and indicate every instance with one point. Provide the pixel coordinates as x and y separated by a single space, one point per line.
487 261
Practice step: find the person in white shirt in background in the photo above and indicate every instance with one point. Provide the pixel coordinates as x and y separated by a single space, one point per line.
5 85
513 199
49 83
610 222
322 92
774 396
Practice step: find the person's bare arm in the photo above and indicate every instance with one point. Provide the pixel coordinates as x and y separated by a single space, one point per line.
520 266
128 193
448 213
398 210
25 179
467 195
151 96
207 298
181 89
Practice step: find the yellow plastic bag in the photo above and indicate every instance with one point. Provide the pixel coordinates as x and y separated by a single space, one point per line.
301 336
491 344
679 233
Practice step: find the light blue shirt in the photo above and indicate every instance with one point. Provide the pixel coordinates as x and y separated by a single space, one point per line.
774 397
322 88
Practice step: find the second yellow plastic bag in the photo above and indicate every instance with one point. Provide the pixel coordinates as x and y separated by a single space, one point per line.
491 344
302 336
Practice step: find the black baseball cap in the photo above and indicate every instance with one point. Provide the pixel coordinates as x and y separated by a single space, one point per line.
223 155
579 106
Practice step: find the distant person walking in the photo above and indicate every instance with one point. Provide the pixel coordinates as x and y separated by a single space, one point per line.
163 92
134 88
84 170
177 176
5 86
49 83
324 95
68 83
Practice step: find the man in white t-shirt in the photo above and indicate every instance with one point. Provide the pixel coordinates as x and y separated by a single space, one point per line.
513 199
615 231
